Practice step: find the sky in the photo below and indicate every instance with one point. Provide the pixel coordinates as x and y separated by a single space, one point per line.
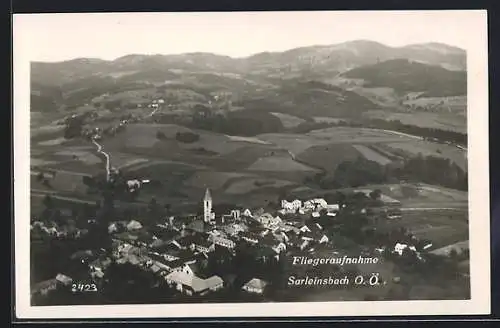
58 37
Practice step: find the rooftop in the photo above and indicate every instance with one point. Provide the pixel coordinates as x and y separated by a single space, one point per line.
256 283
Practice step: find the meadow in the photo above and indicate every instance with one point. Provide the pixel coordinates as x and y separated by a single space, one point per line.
443 120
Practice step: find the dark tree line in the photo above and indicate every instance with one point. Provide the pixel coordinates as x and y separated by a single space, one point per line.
428 169
241 123
432 134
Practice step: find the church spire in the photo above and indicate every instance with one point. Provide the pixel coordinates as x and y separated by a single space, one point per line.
207 194
208 215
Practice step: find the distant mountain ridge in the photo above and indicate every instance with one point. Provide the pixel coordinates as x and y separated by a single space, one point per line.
76 82
338 57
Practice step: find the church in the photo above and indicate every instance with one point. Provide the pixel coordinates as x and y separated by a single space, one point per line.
208 214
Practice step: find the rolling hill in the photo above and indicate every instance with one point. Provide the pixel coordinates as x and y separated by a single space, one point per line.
286 82
405 76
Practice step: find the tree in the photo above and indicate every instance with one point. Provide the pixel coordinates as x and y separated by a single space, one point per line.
376 194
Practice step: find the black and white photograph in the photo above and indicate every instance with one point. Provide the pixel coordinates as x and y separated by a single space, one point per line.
251 164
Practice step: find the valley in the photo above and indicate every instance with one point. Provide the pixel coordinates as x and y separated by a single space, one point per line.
144 138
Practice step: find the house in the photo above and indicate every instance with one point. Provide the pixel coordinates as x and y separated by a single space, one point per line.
282 237
247 212
127 237
249 237
202 244
268 220
236 214
63 279
332 208
183 242
113 227
291 207
255 285
279 247
223 241
186 281
100 264
399 248
304 228
235 229
134 225
309 205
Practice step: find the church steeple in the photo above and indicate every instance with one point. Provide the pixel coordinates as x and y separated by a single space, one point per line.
207 195
207 207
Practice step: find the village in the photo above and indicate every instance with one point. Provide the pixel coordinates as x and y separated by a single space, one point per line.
197 255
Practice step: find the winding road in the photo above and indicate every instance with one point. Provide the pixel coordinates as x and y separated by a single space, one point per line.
108 161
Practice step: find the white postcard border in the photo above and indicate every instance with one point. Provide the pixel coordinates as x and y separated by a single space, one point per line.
479 214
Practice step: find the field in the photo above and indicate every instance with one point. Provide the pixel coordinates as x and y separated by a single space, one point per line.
245 186
289 121
443 121
372 155
329 156
66 182
212 180
278 163
240 169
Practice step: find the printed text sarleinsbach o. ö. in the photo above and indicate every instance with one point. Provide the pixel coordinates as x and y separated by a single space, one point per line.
371 280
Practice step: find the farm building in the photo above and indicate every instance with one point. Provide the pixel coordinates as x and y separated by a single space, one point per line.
255 285
187 282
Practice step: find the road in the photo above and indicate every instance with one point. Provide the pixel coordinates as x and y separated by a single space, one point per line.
153 112
108 159
108 164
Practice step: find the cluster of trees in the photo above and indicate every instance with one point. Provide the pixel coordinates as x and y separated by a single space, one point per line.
74 127
428 169
433 170
241 123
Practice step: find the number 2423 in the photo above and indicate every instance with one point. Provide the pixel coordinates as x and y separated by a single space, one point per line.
83 288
